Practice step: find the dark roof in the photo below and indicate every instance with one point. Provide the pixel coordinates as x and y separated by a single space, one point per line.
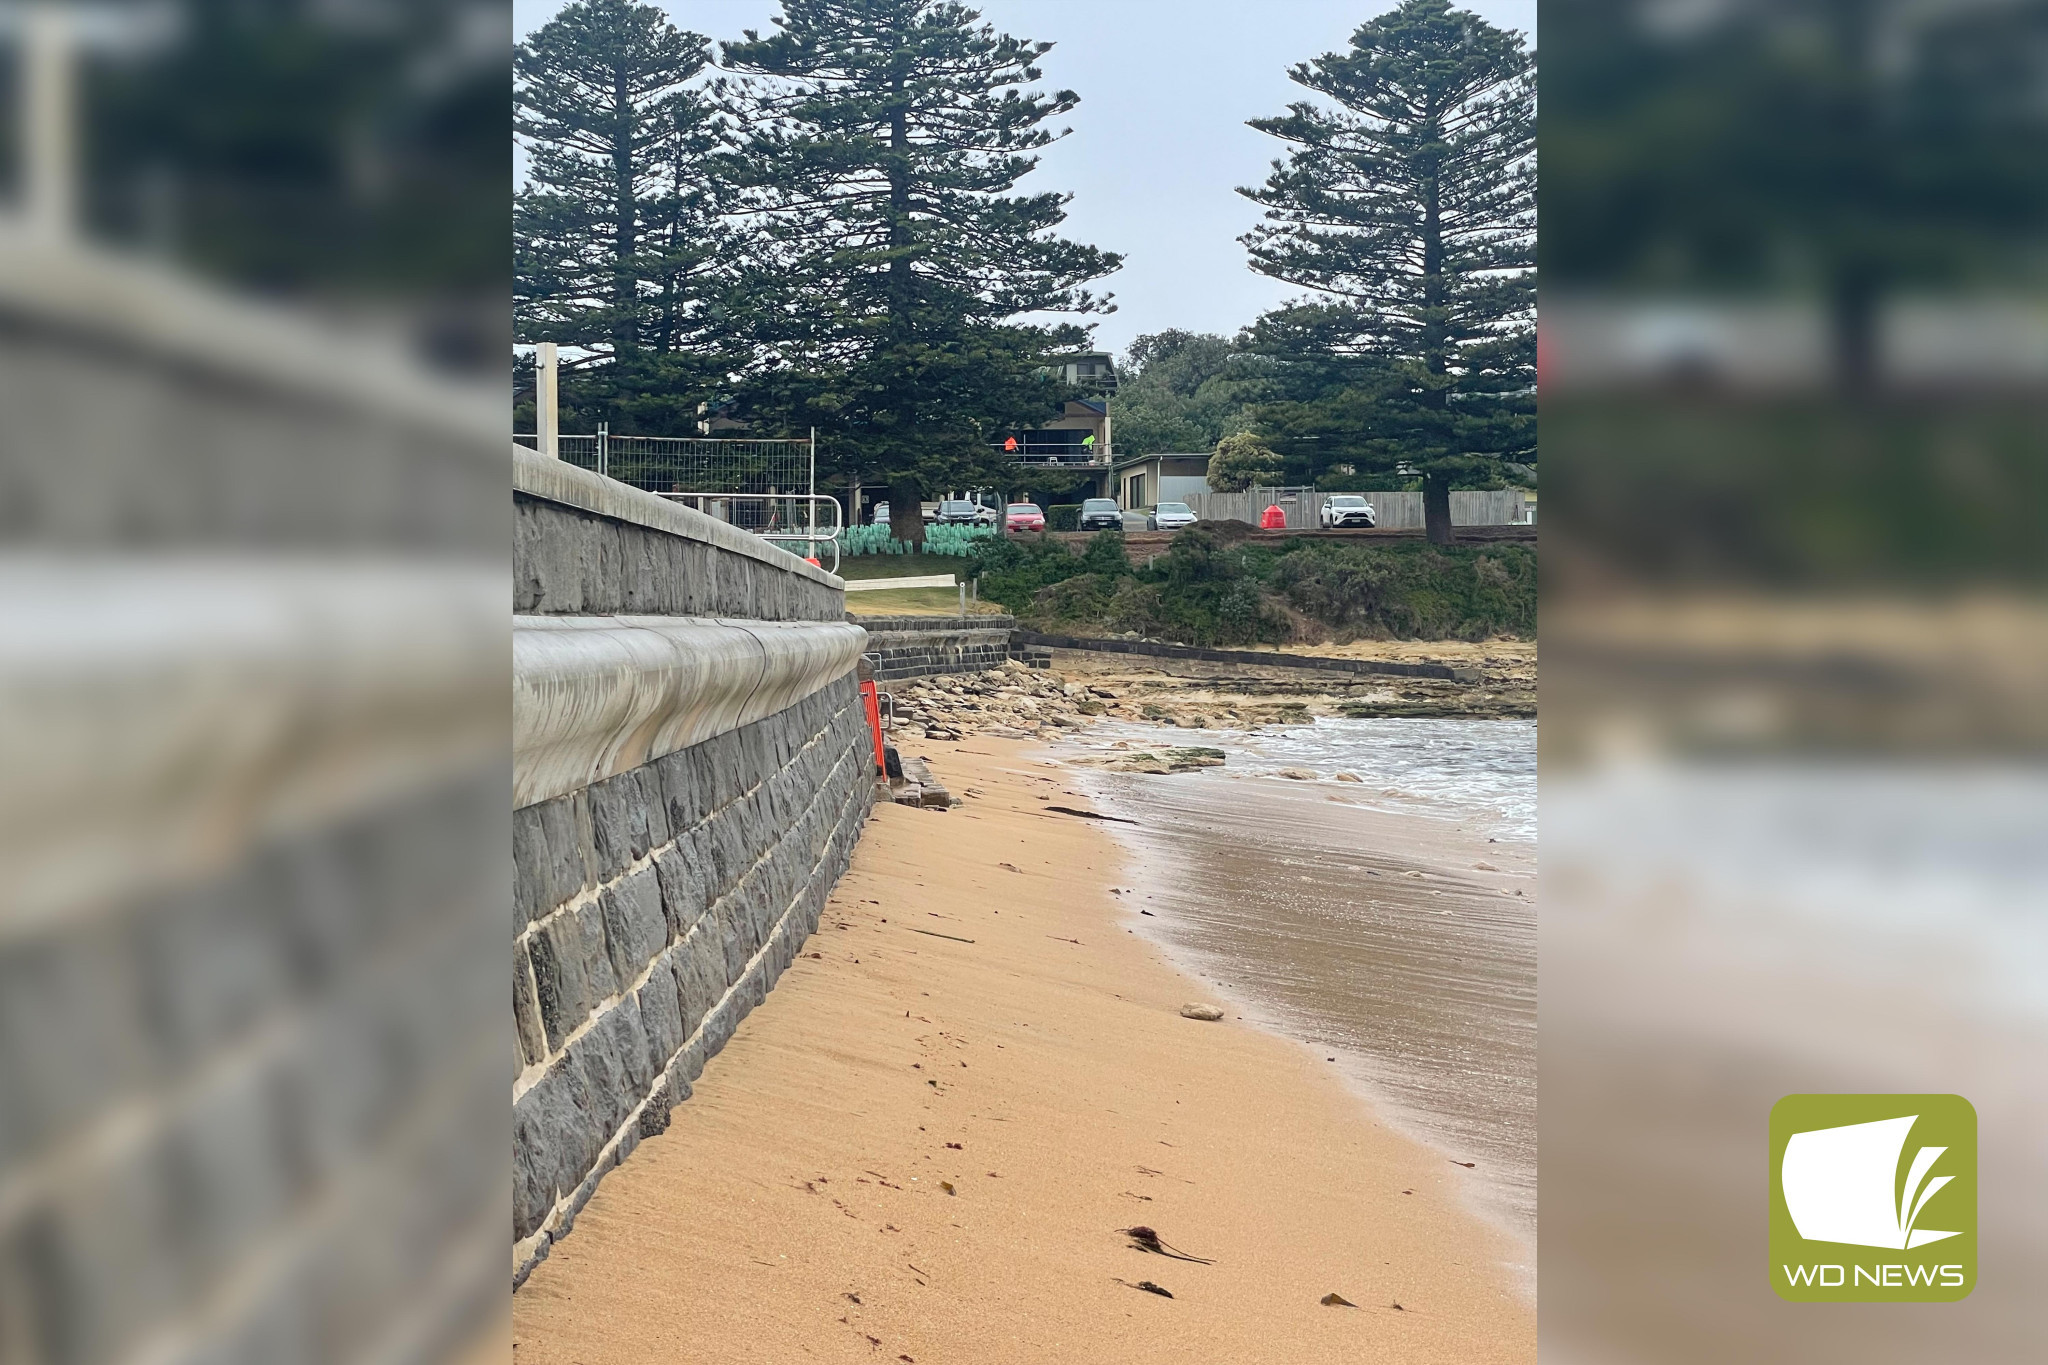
1124 462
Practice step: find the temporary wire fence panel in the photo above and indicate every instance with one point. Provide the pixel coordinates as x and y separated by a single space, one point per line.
580 451
681 464
691 464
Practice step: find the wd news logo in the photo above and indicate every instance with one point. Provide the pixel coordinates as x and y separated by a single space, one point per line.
1873 1198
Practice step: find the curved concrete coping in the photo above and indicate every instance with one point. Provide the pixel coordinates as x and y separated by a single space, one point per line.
139 304
538 476
161 715
594 696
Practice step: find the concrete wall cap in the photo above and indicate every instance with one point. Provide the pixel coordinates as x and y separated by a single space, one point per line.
137 304
595 696
954 624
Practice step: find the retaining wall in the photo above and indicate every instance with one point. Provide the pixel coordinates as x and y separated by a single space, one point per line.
920 646
589 545
687 790
254 704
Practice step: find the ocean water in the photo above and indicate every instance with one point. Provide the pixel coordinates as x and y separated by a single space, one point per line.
1463 770
1388 923
1722 933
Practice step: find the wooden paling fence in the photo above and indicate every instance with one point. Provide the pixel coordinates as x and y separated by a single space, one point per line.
1303 506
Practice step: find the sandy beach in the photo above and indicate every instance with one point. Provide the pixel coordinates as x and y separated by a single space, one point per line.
924 1146
1387 923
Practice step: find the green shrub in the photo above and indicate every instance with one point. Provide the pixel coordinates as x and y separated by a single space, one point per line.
1106 555
1081 600
1241 461
1210 591
1411 590
1012 571
1134 606
1213 588
1063 516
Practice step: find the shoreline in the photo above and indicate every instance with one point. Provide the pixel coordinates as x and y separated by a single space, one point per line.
794 1207
1332 1015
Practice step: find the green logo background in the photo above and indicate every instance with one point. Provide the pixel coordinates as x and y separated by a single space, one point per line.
1945 1121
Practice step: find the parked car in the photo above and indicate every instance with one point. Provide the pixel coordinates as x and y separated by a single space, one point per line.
1348 509
1026 516
881 514
1101 514
958 512
1173 516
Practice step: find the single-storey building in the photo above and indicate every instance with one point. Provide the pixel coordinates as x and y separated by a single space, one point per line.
1146 480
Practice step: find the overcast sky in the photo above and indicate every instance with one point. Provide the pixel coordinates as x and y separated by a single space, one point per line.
1159 143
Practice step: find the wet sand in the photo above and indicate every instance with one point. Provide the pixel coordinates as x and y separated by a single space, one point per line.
1726 933
1380 926
797 1208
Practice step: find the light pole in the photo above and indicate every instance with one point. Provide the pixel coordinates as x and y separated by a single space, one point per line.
51 37
546 417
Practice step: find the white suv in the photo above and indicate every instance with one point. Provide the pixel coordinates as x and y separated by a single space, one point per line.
1347 509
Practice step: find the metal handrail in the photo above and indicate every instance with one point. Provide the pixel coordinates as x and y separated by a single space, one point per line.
809 532
1056 452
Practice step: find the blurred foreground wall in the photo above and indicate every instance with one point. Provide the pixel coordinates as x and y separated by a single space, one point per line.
253 848
1795 693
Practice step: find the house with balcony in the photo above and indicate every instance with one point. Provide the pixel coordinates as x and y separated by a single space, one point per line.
1075 442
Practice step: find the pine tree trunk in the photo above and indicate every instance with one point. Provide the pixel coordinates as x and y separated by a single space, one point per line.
1436 508
1436 488
1853 327
906 511
900 281
625 209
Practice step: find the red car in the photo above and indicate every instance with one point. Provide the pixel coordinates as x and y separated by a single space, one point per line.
1025 516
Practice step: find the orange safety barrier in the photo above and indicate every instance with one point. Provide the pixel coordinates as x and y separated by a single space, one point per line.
874 705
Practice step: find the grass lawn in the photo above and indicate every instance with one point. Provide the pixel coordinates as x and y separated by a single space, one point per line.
908 601
914 602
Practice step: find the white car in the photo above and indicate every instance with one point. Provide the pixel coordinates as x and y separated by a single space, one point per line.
1173 516
1347 509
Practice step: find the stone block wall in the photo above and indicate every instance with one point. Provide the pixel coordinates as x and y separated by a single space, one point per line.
655 909
691 769
921 646
268 1078
587 545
